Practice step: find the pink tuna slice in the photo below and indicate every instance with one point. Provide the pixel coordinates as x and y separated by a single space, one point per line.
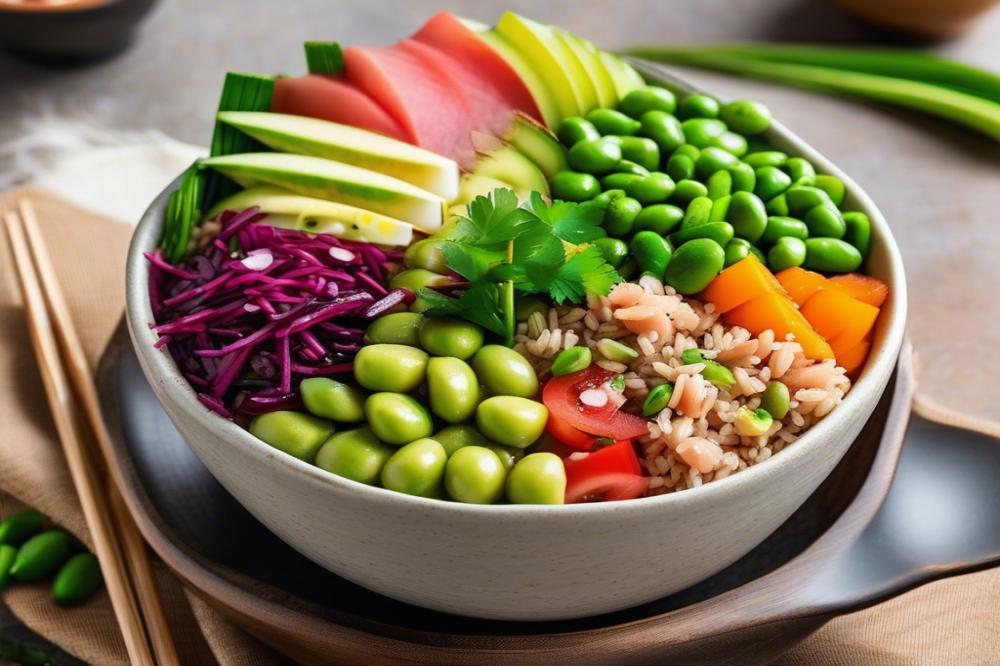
334 99
480 65
430 107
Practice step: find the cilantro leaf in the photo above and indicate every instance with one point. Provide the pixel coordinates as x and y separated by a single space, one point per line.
479 305
572 222
585 272
472 263
491 221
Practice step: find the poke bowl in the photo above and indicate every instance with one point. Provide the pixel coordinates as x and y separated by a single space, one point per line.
501 370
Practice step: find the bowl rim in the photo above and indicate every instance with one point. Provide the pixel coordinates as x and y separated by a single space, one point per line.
160 369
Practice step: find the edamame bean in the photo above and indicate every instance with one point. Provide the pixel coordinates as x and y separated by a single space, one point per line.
609 121
747 215
77 579
618 181
295 433
450 336
831 255
775 400
427 254
8 554
19 527
526 304
717 374
416 469
787 252
777 206
720 208
418 278
698 211
698 105
454 437
475 475
616 351
763 158
680 167
713 159
397 328
453 389
779 227
732 143
620 215
752 423
694 265
614 250
802 198
654 188
658 218
689 150
719 184
607 196
651 252
574 186
385 367
539 478
702 132
650 98
746 117
858 232
833 186
739 249
687 190
664 129
329 399
354 454
575 129
507 455
40 555
595 156
800 170
771 181
396 418
641 150
505 372
511 421
628 166
691 356
657 399
571 360
825 221
720 232
744 178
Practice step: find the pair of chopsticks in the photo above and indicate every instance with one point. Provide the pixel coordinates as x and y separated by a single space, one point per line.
69 386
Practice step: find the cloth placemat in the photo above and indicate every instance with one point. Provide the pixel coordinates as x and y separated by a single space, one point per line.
953 621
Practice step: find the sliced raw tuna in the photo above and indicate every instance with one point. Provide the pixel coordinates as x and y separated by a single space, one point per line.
429 106
480 66
332 98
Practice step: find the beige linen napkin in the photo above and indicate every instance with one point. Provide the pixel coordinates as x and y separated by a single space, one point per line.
954 621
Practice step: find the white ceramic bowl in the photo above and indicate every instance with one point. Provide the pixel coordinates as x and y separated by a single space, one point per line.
522 562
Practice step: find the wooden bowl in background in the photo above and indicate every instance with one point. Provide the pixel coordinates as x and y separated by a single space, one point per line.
925 18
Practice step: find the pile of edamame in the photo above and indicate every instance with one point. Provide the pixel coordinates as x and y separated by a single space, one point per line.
433 412
690 188
31 550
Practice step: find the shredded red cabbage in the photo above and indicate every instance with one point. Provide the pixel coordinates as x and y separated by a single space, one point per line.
261 308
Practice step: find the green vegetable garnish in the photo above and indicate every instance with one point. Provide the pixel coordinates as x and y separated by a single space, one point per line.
324 58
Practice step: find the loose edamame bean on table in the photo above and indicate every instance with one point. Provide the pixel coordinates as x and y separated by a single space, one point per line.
539 478
416 469
295 433
571 360
450 336
475 475
8 554
574 186
575 129
649 98
746 117
19 527
76 580
659 218
329 399
40 555
609 121
385 367
505 372
354 454
396 418
595 156
398 328
694 264
511 421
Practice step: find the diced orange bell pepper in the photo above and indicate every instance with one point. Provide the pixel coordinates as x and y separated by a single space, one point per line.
852 358
775 311
741 282
864 288
800 283
835 315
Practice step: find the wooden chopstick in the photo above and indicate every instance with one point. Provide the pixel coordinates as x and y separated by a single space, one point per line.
80 374
81 466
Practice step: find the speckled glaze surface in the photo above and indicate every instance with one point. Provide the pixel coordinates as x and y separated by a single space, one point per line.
521 562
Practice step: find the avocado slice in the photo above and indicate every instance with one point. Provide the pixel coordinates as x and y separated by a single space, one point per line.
625 77
540 46
321 138
538 144
289 210
476 185
590 57
334 181
510 165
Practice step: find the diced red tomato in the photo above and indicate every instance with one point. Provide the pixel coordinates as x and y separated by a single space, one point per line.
611 473
568 435
562 397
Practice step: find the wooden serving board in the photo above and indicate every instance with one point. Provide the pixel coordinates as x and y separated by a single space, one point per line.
836 554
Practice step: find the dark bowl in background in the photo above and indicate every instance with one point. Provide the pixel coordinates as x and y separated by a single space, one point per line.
77 32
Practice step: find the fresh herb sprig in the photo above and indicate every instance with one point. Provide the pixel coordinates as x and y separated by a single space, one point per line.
538 248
